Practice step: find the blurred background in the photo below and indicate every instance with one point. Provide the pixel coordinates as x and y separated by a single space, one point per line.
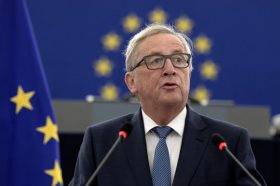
236 46
236 64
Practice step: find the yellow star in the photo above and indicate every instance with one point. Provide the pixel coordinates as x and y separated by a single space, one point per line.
109 92
103 66
55 173
22 99
50 130
158 16
201 94
184 24
111 41
209 70
202 44
131 23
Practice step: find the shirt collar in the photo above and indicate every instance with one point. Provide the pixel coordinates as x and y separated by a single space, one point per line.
177 124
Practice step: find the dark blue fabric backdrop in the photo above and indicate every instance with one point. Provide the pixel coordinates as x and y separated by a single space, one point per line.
241 64
29 142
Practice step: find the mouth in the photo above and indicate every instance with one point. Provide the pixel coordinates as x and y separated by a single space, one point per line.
170 85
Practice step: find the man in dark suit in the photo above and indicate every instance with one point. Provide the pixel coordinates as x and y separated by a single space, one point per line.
170 144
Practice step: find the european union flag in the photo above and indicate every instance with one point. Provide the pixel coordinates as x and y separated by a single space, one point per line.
28 133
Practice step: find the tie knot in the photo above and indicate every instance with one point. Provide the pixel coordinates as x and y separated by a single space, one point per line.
162 132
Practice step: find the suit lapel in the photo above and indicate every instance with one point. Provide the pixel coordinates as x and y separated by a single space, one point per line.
136 153
193 146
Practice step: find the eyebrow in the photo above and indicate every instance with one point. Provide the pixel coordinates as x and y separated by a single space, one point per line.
155 53
160 53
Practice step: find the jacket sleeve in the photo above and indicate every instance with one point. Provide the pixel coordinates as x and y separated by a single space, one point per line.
85 164
246 156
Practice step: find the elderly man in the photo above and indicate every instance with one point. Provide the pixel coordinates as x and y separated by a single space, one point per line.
170 144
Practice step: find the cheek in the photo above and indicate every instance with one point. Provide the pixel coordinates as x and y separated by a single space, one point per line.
148 84
186 82
142 85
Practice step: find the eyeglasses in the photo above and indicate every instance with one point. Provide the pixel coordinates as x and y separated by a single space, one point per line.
157 61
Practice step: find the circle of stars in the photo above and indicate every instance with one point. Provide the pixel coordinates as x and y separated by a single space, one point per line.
132 23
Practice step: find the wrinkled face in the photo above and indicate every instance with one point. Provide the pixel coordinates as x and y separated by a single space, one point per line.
168 86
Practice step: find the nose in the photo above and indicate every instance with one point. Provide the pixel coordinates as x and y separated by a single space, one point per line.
168 68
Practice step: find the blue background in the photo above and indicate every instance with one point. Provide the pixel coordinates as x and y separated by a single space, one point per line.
245 36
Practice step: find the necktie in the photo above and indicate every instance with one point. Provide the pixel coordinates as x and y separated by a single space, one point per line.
161 173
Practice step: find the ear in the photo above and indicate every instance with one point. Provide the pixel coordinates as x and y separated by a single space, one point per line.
130 82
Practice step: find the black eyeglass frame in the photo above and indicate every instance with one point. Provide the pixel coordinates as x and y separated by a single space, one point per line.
165 58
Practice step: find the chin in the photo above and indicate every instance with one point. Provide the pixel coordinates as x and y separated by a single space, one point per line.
172 102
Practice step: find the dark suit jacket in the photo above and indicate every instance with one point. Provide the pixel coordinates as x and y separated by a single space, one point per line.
200 162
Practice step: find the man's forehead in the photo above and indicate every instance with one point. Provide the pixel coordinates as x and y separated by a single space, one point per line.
157 42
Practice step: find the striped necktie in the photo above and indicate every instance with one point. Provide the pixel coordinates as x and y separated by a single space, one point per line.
161 173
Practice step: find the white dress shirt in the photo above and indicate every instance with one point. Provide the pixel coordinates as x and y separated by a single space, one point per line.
173 140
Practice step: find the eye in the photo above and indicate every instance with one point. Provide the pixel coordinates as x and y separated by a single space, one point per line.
178 59
156 60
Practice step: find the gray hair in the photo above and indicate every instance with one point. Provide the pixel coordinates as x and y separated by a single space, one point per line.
150 30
